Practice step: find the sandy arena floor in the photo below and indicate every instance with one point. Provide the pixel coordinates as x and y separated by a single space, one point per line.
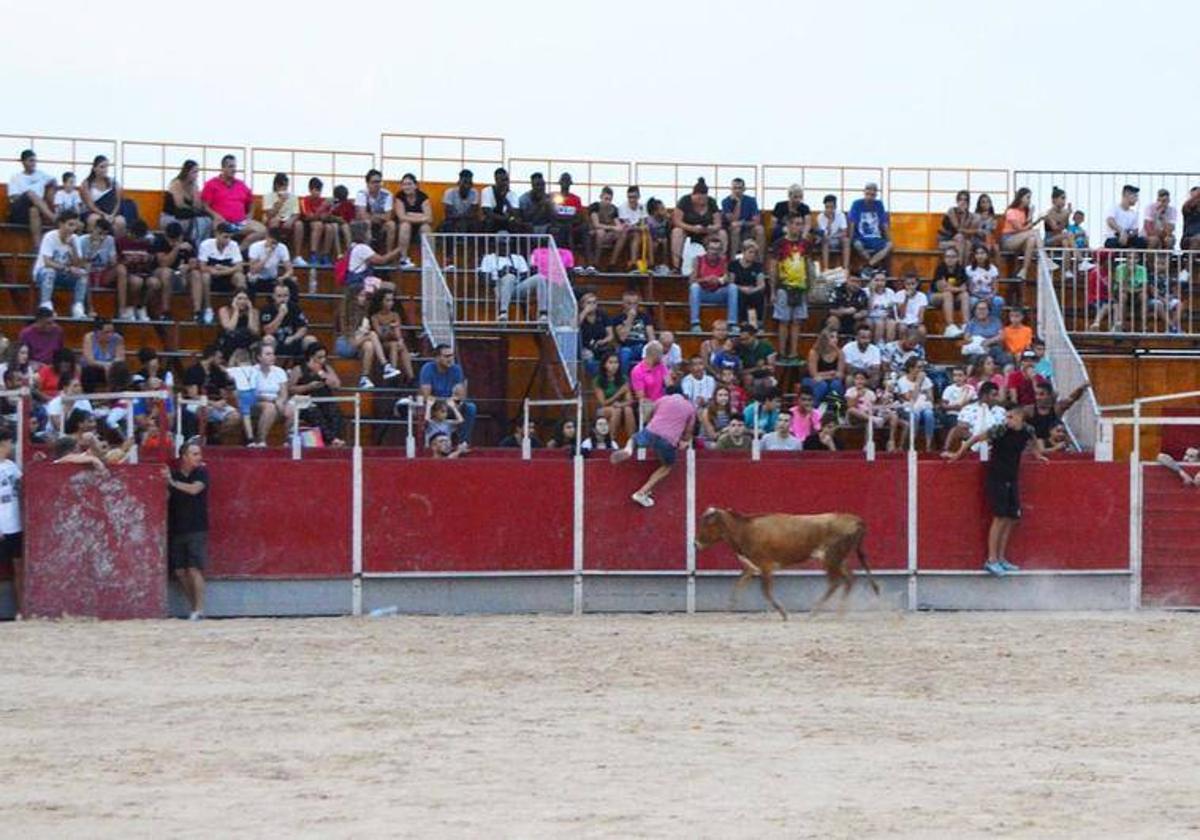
946 725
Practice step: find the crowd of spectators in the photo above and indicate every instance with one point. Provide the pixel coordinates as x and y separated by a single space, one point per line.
866 366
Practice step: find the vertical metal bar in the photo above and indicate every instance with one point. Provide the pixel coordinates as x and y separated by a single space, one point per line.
911 505
577 532
526 443
129 434
1135 510
410 440
296 448
356 521
690 530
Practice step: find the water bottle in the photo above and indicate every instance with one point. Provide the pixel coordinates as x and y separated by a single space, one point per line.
384 612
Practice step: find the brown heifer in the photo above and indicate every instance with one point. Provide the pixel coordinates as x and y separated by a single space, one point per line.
778 540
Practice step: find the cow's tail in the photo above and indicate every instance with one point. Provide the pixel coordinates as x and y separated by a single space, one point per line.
862 557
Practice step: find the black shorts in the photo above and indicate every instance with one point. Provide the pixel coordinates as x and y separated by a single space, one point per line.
188 551
1003 498
18 210
12 546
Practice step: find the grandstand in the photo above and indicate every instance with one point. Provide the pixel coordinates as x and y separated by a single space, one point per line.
509 363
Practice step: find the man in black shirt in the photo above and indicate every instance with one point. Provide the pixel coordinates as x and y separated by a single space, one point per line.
207 378
282 318
849 303
1008 443
187 524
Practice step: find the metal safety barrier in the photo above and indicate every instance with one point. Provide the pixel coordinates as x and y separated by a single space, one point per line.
330 165
151 165
1070 372
437 304
932 189
438 157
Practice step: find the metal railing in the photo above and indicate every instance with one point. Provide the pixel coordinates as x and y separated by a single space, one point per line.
496 278
150 165
439 157
330 165
299 403
845 182
1126 291
56 154
437 304
563 314
588 176
130 421
1095 193
1070 372
580 430
931 189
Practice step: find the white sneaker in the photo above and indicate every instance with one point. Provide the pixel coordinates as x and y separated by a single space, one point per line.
1086 265
195 616
390 372
142 314
300 262
661 270
365 382
77 311
127 314
952 331
643 499
208 315
405 262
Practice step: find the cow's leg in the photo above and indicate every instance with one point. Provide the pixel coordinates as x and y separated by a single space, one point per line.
737 587
749 566
833 582
768 587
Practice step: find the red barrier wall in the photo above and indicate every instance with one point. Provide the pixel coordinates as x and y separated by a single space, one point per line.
618 534
810 484
277 518
1170 535
1075 515
467 515
95 542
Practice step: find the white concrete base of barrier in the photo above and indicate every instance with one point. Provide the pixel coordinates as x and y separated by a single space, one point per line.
616 593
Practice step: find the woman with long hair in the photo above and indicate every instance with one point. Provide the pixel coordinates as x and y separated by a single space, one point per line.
103 199
614 400
826 367
1019 234
414 215
716 415
986 221
355 336
385 320
182 204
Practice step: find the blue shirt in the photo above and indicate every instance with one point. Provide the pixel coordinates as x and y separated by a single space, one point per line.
868 223
441 384
765 420
749 208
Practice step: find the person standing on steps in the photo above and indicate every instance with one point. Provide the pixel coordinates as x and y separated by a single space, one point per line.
187 524
1008 443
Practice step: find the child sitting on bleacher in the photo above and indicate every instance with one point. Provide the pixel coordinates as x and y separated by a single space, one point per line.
67 197
341 214
442 417
241 371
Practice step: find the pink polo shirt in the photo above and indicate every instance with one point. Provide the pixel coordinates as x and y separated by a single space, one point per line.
231 202
672 417
805 425
652 382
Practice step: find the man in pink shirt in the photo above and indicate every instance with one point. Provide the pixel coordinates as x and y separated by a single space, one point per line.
230 200
649 378
670 428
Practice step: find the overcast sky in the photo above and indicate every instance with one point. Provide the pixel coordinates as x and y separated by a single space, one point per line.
1053 85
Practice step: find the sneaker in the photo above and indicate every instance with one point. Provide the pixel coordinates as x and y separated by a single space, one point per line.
695 326
405 262
365 382
390 372
643 499
1007 566
142 314
1086 265
993 567
661 270
502 317
591 269
620 456
952 331
300 262
127 314
78 312
208 315
195 616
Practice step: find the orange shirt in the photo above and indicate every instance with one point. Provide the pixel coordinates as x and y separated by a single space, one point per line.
1014 219
1017 339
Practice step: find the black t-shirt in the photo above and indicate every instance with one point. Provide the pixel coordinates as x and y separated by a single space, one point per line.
161 245
746 275
1043 423
604 215
844 296
292 323
637 330
188 514
211 382
783 210
1191 223
691 217
419 199
1008 446
956 278
592 331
